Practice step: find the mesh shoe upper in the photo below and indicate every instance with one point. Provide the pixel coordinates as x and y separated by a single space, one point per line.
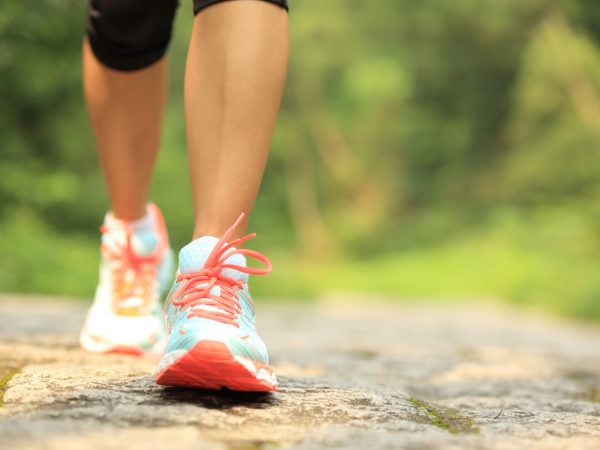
209 299
135 269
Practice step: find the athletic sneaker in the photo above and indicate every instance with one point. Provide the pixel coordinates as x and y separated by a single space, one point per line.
136 267
210 315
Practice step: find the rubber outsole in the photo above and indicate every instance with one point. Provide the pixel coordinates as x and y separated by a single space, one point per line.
91 344
98 344
122 350
211 365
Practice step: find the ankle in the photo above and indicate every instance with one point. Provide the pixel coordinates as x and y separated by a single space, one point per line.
143 222
129 213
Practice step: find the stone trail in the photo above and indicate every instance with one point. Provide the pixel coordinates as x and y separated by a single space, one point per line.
368 375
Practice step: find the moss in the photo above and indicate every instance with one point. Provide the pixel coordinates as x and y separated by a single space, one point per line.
5 376
446 419
366 354
416 402
592 395
440 424
588 383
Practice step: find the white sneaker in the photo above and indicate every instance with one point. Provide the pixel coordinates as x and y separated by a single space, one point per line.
136 268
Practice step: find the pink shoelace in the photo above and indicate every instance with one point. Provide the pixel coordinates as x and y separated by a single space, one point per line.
132 274
196 286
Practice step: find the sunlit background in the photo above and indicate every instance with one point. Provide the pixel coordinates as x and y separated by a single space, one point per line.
437 149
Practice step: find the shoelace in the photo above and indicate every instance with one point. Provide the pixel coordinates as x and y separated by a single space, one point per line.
197 285
132 274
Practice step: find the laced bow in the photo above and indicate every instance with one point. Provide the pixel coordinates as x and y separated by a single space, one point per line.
196 286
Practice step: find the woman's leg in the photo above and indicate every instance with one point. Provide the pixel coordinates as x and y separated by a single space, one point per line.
126 110
236 67
234 78
125 86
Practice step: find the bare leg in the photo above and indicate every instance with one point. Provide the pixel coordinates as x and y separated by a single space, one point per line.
234 79
126 110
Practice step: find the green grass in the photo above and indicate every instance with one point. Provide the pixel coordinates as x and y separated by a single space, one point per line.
36 259
550 261
518 262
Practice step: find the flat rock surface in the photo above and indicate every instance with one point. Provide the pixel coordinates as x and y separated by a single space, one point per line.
352 375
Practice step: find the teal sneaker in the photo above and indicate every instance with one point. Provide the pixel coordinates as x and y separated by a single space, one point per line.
213 342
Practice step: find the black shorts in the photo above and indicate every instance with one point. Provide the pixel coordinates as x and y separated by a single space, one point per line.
133 34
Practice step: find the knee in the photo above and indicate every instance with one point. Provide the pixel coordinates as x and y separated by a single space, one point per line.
129 34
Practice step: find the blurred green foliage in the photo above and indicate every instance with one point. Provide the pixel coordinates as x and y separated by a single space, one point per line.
432 148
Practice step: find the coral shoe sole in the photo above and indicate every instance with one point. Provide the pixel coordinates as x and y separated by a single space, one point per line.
211 365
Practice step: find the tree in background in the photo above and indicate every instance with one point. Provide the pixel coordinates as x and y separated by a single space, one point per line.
407 128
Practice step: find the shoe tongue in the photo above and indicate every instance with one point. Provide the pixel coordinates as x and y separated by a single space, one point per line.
143 239
143 243
193 256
